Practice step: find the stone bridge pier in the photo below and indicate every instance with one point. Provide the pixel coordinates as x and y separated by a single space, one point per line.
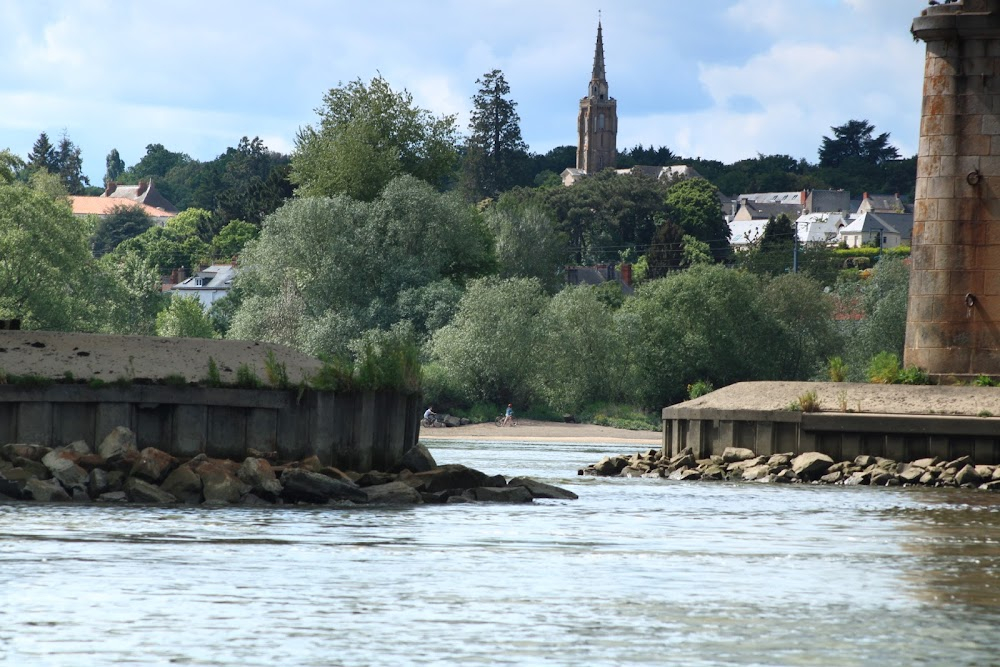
954 308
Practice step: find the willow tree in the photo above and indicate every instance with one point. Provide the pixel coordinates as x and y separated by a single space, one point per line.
326 269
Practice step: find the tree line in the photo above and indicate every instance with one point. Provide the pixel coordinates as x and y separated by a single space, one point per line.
384 224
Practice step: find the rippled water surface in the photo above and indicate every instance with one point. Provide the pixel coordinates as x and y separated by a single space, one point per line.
634 572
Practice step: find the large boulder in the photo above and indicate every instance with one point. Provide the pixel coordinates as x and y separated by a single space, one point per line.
45 490
737 454
98 482
141 491
14 450
756 472
448 477
79 447
184 484
541 489
301 485
118 445
220 483
337 473
417 459
811 465
12 481
259 476
683 459
968 475
509 494
393 493
31 468
153 465
911 473
375 478
70 475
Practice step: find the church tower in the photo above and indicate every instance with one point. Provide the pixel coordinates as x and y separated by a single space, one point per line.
597 123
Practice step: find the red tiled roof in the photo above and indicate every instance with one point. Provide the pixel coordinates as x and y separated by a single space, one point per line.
104 205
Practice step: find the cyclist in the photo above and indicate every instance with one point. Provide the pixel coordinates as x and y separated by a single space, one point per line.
508 416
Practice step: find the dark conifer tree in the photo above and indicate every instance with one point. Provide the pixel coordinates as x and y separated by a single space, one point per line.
496 157
43 155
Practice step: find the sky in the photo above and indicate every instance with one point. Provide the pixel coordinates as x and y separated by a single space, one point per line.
715 79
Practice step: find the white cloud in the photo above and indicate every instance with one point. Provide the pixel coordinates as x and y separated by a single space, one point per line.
723 80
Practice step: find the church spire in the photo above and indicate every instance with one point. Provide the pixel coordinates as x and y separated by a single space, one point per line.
597 123
598 75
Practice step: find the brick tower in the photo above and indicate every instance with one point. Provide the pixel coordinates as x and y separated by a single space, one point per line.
597 123
953 320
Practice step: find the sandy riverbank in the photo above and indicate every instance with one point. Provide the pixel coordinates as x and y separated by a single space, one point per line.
539 431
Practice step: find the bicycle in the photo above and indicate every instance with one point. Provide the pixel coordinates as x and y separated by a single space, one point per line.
499 420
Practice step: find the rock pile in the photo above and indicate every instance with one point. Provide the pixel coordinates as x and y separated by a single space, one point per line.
119 472
740 464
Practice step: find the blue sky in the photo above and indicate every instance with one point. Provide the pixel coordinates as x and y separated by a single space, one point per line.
719 79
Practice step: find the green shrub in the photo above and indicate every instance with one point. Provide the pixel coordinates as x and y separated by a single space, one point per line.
246 377
481 413
213 378
837 369
809 402
883 368
30 381
277 374
619 416
984 381
175 380
913 375
387 360
699 388
336 374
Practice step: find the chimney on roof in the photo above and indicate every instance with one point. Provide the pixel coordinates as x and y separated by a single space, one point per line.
109 188
143 186
864 195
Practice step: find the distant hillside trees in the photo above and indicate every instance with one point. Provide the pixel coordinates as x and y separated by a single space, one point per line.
64 161
246 182
126 221
854 140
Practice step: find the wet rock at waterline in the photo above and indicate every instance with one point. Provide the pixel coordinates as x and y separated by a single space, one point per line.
119 473
738 464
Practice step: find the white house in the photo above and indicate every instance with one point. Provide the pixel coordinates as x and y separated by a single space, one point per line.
209 284
821 227
890 229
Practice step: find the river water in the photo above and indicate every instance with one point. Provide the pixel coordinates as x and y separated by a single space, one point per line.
634 572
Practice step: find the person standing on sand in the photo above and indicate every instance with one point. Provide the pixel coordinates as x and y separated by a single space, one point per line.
509 416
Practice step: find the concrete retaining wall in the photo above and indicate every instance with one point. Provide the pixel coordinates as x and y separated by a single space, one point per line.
359 432
842 436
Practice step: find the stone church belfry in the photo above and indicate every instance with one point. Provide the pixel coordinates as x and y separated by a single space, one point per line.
597 123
